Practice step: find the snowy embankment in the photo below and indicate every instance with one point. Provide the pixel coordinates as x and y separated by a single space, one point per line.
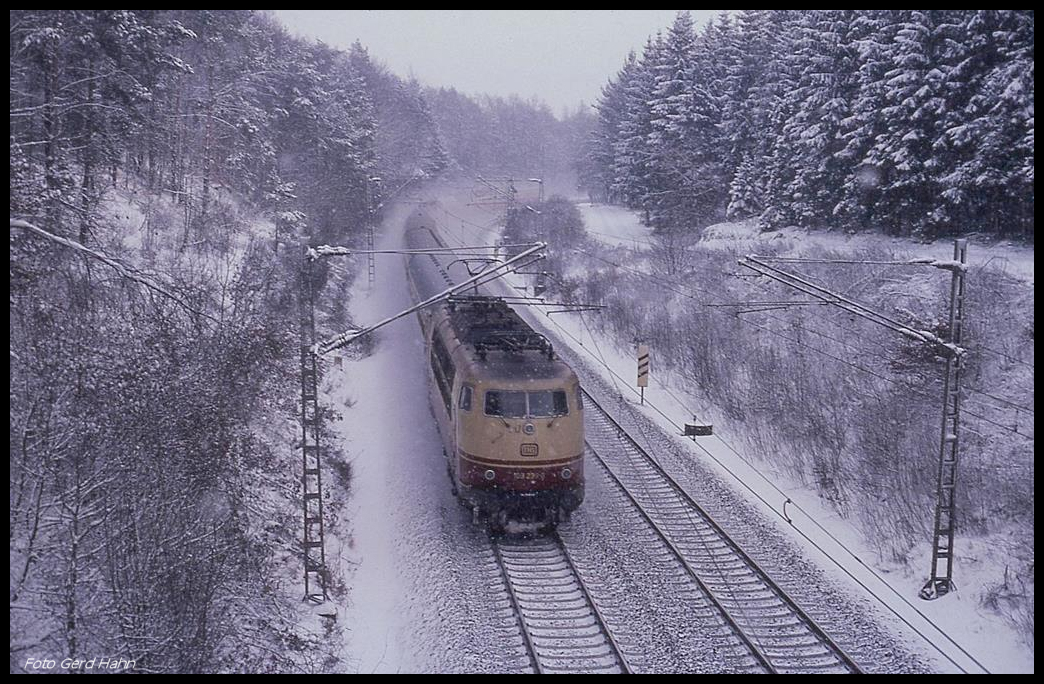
148 231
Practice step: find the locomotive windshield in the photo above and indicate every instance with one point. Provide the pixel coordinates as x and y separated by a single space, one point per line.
506 404
544 404
514 404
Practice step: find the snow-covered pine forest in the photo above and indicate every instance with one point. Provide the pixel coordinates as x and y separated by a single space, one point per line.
910 122
169 166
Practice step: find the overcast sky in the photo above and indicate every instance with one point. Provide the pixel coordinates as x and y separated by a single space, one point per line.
562 57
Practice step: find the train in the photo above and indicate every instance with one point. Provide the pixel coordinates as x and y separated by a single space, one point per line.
508 409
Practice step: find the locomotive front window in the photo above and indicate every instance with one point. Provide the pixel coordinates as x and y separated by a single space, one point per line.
547 404
506 404
543 404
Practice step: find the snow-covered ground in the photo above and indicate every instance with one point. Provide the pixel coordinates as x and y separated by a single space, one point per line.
615 226
619 227
744 236
391 446
413 559
144 226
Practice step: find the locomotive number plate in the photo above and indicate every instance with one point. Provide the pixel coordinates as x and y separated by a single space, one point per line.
530 449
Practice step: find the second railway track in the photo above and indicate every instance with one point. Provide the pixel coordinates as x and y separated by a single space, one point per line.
778 633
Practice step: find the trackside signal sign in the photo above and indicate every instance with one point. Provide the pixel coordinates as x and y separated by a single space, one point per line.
643 365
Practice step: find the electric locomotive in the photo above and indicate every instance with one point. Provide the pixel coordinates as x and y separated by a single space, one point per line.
509 411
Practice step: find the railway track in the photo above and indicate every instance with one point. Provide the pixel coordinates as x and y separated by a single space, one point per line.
779 636
562 628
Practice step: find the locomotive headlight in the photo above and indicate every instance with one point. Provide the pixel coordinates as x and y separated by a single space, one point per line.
489 475
529 428
566 473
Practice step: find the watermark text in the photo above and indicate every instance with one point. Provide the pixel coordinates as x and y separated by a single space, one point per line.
99 663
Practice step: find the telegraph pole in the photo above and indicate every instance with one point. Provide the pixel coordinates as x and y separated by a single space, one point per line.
941 581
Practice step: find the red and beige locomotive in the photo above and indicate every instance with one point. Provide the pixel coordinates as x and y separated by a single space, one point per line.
510 412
